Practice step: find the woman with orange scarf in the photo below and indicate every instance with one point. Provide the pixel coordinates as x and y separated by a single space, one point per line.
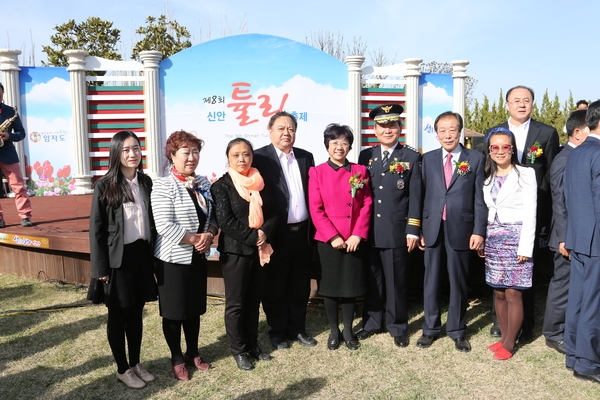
246 222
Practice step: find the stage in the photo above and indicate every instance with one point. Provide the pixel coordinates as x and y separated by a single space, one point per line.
58 246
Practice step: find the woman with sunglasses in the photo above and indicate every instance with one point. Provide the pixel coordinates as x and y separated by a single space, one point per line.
510 193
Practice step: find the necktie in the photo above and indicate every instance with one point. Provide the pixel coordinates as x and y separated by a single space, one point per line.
385 159
448 169
447 177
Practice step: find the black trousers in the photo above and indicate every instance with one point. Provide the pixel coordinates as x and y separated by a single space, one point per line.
387 284
243 278
556 303
442 255
287 286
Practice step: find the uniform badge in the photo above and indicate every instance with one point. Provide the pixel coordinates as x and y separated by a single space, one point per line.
400 183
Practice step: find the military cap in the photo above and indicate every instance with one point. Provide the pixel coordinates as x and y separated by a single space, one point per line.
386 113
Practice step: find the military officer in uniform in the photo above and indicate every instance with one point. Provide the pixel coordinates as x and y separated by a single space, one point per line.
395 172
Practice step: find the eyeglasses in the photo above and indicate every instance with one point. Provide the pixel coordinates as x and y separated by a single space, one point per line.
339 144
518 102
506 148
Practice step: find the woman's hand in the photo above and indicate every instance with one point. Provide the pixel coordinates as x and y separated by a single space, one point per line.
205 242
262 238
352 243
104 278
521 259
337 242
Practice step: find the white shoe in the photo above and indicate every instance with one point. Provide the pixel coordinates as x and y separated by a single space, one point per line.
142 373
131 379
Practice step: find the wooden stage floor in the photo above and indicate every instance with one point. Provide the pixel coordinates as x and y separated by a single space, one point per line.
58 246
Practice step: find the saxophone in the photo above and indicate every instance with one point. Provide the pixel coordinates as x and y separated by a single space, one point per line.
6 124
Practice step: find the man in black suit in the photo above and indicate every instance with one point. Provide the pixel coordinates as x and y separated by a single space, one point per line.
454 224
582 197
395 172
285 169
531 135
558 290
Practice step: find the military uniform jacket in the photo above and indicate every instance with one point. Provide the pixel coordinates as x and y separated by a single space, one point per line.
396 197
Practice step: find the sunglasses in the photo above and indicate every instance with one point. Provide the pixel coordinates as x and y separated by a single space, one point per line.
506 148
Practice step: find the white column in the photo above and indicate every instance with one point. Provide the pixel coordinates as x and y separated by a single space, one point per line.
354 102
459 74
412 101
77 72
150 59
9 65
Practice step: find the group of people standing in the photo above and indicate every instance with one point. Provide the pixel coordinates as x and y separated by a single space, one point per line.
366 218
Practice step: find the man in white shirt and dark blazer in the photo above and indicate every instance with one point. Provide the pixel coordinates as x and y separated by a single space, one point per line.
285 170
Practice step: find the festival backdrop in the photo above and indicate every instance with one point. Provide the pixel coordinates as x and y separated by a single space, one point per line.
46 114
230 87
436 96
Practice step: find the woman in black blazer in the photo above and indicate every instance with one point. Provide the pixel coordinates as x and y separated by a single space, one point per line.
247 222
121 229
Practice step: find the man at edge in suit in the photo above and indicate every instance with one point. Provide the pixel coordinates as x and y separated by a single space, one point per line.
285 169
558 290
395 172
582 197
531 135
454 224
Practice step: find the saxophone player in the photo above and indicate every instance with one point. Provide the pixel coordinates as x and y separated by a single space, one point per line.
9 161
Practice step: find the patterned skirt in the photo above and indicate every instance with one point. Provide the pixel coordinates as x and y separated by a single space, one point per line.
502 270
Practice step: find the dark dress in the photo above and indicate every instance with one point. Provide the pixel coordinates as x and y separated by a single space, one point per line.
342 273
182 288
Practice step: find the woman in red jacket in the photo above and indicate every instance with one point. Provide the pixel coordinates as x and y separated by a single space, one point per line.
340 201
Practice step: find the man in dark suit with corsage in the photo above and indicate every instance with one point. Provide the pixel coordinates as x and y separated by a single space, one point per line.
582 197
537 145
395 172
454 224
558 290
285 170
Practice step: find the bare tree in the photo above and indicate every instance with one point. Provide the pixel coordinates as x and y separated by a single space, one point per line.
434 67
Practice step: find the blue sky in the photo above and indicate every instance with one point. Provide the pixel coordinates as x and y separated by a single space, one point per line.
542 44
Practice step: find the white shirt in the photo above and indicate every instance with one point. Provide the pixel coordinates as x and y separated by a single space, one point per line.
297 210
135 219
520 133
390 150
455 155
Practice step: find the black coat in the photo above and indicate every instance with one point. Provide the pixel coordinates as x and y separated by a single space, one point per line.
232 216
397 205
106 228
269 166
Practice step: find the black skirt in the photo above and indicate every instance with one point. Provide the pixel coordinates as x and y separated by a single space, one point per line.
130 284
182 288
342 273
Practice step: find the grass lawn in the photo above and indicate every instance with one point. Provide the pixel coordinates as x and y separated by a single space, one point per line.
64 354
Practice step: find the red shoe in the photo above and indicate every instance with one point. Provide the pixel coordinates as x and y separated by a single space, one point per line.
494 347
180 372
502 354
198 362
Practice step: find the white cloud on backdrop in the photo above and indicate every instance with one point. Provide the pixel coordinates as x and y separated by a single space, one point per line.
322 103
56 91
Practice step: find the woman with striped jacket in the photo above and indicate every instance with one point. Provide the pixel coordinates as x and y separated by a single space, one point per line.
185 223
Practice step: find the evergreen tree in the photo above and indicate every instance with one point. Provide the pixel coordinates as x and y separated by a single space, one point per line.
163 35
94 35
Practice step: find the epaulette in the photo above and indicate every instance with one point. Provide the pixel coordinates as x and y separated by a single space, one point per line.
410 148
